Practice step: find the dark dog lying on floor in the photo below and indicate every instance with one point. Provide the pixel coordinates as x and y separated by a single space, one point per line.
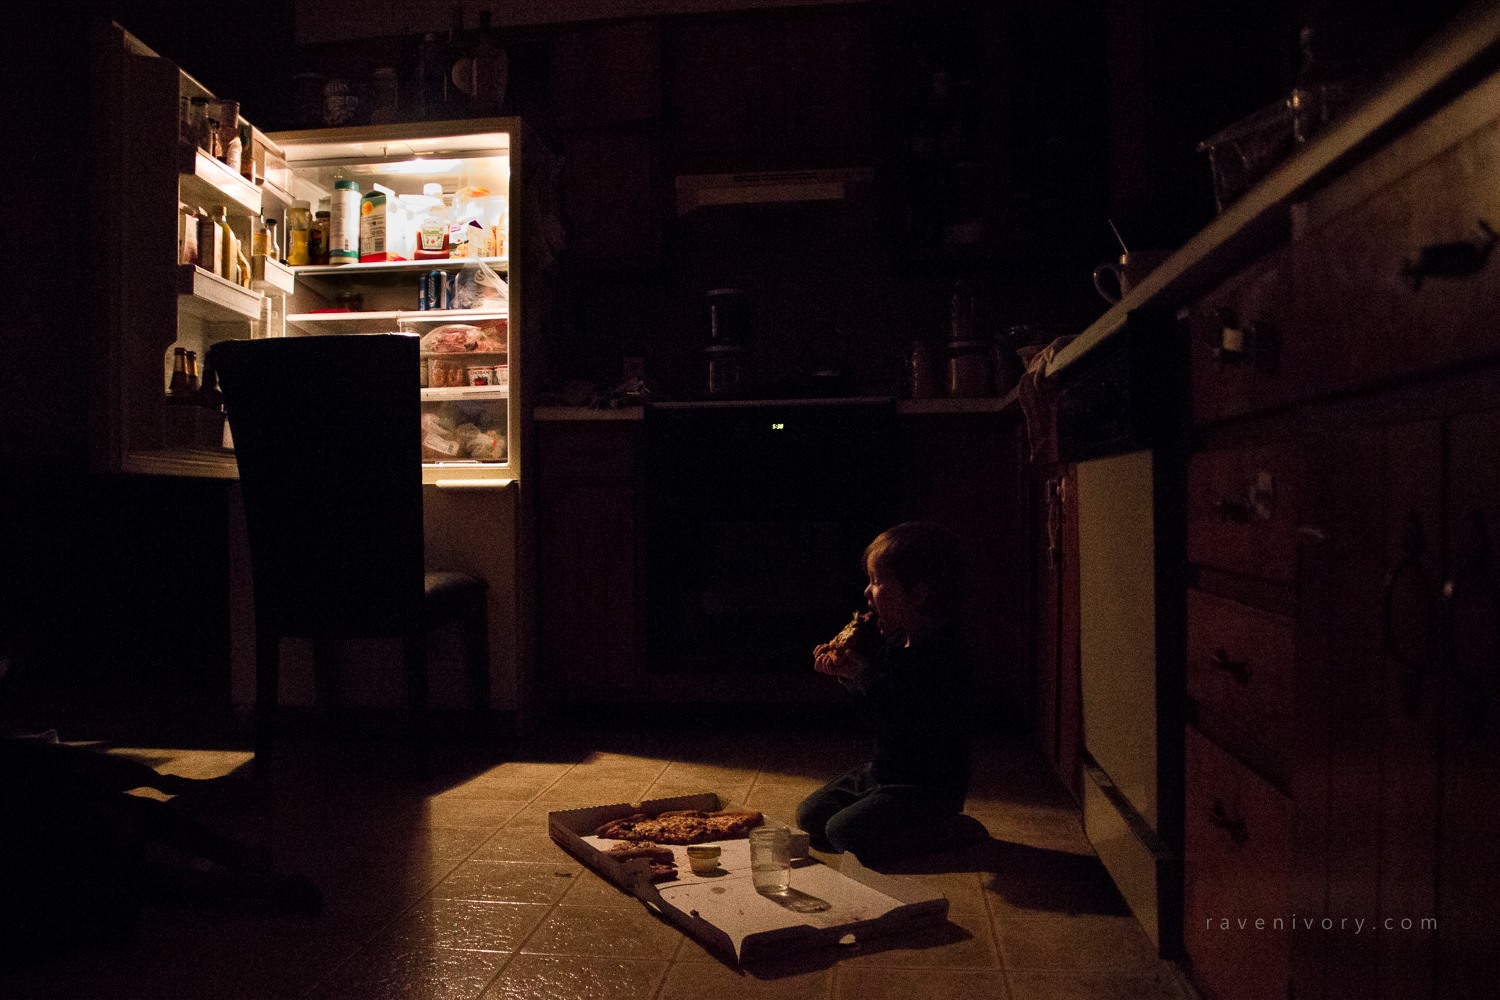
79 856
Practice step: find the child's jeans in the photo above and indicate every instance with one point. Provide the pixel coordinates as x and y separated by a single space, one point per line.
878 823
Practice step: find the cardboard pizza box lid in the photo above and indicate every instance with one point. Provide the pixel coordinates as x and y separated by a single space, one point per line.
723 911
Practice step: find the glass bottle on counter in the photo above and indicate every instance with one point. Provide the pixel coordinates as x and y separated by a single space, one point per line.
192 375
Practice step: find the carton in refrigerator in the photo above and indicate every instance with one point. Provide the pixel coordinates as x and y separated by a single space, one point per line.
825 907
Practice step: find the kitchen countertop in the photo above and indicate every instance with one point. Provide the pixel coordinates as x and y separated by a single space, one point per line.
905 407
1252 222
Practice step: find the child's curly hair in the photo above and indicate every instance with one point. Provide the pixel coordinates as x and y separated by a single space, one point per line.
923 552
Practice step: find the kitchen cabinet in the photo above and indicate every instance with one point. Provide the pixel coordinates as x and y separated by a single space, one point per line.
1057 692
1344 626
590 594
791 91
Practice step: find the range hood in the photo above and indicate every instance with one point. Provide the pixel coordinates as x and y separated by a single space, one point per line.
696 191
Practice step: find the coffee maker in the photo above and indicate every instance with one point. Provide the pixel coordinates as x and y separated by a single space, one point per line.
728 333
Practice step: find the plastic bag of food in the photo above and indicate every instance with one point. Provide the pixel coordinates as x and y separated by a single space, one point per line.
477 286
440 439
485 444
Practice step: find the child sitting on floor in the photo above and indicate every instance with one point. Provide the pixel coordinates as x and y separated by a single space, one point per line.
916 690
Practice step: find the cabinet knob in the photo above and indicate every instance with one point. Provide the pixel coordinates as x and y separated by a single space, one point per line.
1219 816
1474 586
1454 259
1415 664
1238 669
1255 344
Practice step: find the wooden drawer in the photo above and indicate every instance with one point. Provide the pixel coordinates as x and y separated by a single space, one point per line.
1238 838
589 450
1240 672
1242 510
1235 346
1361 296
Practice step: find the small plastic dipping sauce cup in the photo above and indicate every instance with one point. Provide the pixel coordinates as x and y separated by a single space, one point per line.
704 858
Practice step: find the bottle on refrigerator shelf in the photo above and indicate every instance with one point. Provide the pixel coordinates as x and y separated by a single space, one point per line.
228 248
318 248
247 154
343 223
210 242
273 246
298 224
432 227
177 388
192 374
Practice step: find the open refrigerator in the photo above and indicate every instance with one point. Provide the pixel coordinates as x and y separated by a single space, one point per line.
153 178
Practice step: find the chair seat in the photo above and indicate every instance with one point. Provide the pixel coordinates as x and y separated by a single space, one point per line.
442 583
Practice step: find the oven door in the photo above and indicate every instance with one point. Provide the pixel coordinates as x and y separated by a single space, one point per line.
757 516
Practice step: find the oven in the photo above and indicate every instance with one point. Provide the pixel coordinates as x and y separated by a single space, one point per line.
757 515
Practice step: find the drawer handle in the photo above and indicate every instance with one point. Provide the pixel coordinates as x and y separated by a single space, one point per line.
1234 826
1238 669
1414 666
1474 580
1255 343
1258 503
1455 259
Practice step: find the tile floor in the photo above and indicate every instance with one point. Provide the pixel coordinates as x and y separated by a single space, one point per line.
452 889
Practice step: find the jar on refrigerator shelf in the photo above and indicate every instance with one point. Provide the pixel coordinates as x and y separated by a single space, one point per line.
318 248
298 231
343 223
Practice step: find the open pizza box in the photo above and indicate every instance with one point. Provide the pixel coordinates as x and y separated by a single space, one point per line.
723 912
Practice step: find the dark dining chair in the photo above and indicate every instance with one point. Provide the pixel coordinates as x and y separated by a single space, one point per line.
326 433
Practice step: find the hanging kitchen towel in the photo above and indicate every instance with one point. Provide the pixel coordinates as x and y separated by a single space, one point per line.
1037 394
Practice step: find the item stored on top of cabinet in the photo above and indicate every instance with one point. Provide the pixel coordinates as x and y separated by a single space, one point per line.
343 223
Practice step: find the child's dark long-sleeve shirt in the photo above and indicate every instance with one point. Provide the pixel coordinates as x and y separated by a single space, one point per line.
917 700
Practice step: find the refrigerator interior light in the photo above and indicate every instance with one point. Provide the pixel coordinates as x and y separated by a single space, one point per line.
423 167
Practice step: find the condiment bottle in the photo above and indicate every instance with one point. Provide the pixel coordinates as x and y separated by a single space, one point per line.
318 248
298 224
432 228
228 248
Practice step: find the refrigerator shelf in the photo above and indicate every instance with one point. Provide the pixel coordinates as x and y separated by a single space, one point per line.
401 266
214 299
205 182
470 393
359 322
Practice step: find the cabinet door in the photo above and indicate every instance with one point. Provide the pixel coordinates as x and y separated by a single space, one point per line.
592 636
1058 715
716 85
1411 709
1236 850
827 87
1469 877
610 198
607 74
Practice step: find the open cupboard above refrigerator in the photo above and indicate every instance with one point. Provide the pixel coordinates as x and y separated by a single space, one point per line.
167 289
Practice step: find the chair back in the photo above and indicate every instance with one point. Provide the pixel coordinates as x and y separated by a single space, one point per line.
327 437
